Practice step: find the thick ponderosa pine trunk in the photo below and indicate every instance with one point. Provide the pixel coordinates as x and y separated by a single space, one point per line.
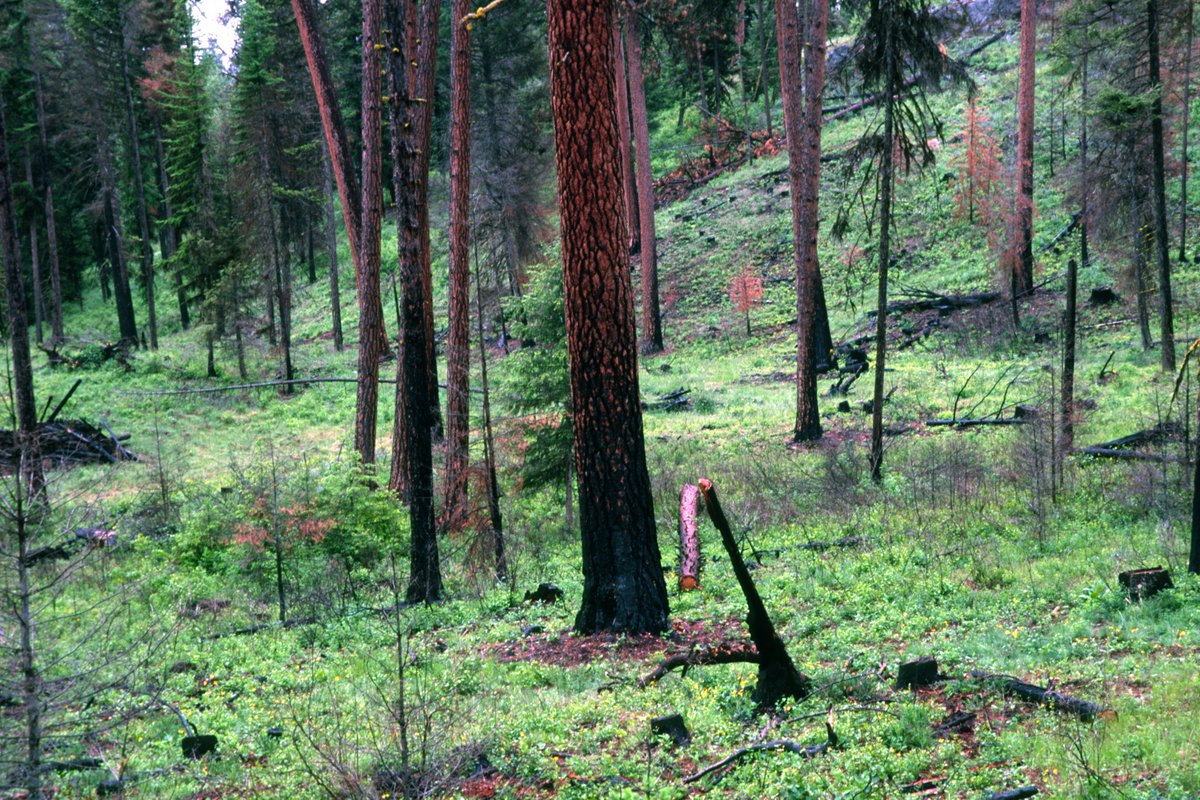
335 300
56 315
885 250
413 430
143 217
1022 276
1166 313
628 180
652 337
623 586
458 343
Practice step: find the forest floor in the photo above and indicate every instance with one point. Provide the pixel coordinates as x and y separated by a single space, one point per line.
973 550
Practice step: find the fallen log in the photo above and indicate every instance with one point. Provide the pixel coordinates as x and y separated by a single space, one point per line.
719 654
690 505
1084 709
1143 583
1126 455
777 674
1163 431
970 423
943 303
266 626
804 751
1014 794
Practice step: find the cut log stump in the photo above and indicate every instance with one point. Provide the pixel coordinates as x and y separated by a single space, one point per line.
671 725
918 673
1144 583
690 506
198 746
544 593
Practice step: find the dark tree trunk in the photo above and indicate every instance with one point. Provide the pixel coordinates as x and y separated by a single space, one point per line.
335 300
623 586
426 73
700 78
167 233
1161 245
139 186
805 186
35 267
413 428
1067 410
458 344
628 180
1022 277
1139 265
489 442
652 337
740 39
310 249
1194 555
885 251
370 327
116 238
56 315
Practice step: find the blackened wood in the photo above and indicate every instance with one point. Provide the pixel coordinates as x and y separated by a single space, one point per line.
717 654
1144 583
1084 709
918 673
1014 794
805 751
671 725
777 674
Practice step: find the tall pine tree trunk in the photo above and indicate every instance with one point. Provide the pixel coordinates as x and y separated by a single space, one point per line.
763 73
412 433
56 300
139 187
1022 275
623 586
370 327
489 441
35 266
168 235
1067 410
458 344
1185 167
652 337
426 72
1139 265
335 300
885 248
1166 313
115 235
628 180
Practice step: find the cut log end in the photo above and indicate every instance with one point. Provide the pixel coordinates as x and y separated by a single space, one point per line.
1145 583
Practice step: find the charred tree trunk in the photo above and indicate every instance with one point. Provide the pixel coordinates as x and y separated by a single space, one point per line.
740 40
414 422
489 442
56 315
1139 270
1022 275
777 674
1184 167
458 344
35 267
1166 314
652 337
1067 410
116 238
335 300
763 73
1194 555
139 185
623 586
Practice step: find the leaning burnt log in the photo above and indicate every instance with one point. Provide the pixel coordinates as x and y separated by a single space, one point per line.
68 442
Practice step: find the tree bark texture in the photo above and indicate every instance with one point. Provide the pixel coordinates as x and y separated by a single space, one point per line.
623 586
115 236
762 67
628 179
1184 164
652 337
808 420
1161 245
56 319
458 344
1067 410
1022 277
489 441
35 267
426 74
168 236
335 300
143 218
412 432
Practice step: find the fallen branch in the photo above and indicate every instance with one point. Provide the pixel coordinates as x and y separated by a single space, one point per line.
1163 431
719 654
804 751
236 387
969 423
266 626
1014 794
1084 709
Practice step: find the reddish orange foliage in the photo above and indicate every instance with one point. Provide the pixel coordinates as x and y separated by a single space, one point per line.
295 525
746 292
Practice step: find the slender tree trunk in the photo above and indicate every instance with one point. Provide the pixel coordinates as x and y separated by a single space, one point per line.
139 185
652 337
1067 411
430 15
370 326
628 180
56 300
458 344
1194 555
281 283
414 421
885 252
116 237
35 267
763 73
1161 245
310 248
1139 270
168 234
1022 277
740 39
489 441
700 79
1185 164
335 300
623 586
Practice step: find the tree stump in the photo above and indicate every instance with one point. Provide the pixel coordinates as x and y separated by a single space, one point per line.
1102 296
1144 583
198 746
690 505
671 725
918 673
544 593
